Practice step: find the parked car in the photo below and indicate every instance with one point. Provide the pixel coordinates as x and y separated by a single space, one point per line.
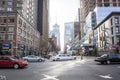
108 58
63 57
8 61
33 58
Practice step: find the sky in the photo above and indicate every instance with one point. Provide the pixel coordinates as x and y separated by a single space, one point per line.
62 11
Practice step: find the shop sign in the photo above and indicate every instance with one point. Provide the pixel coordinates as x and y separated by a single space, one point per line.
22 46
5 45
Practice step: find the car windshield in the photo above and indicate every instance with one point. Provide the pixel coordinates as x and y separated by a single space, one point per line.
104 55
13 58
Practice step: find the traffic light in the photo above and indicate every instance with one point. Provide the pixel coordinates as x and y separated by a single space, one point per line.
102 38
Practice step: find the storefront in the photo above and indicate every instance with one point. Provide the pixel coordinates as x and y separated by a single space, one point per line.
5 48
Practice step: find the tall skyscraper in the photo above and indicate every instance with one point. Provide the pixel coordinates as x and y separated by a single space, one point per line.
43 23
56 32
85 7
18 27
68 34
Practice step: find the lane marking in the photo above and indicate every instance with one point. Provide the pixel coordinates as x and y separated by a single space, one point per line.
118 67
2 77
47 77
106 76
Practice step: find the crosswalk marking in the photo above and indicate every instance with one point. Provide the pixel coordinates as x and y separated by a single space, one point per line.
106 76
48 77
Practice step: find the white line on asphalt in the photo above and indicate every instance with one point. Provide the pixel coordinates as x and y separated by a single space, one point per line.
106 76
118 67
48 77
2 77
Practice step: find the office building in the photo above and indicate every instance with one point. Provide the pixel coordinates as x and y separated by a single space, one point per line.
107 32
18 27
68 34
56 33
43 23
102 8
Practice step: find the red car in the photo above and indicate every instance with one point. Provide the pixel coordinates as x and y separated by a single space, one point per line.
8 61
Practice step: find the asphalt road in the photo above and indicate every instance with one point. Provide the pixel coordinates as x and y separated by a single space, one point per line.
85 69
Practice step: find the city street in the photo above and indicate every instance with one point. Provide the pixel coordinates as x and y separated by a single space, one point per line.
85 69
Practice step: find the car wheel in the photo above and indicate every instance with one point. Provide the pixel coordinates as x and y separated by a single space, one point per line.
102 62
53 59
107 62
16 66
58 59
40 60
75 58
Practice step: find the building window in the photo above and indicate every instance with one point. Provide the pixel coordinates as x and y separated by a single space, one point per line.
99 2
111 21
3 2
3 20
114 3
11 29
2 36
19 38
24 25
2 28
24 33
20 22
2 9
10 3
111 30
117 39
11 20
118 2
9 9
117 29
116 20
112 40
19 31
10 36
106 3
